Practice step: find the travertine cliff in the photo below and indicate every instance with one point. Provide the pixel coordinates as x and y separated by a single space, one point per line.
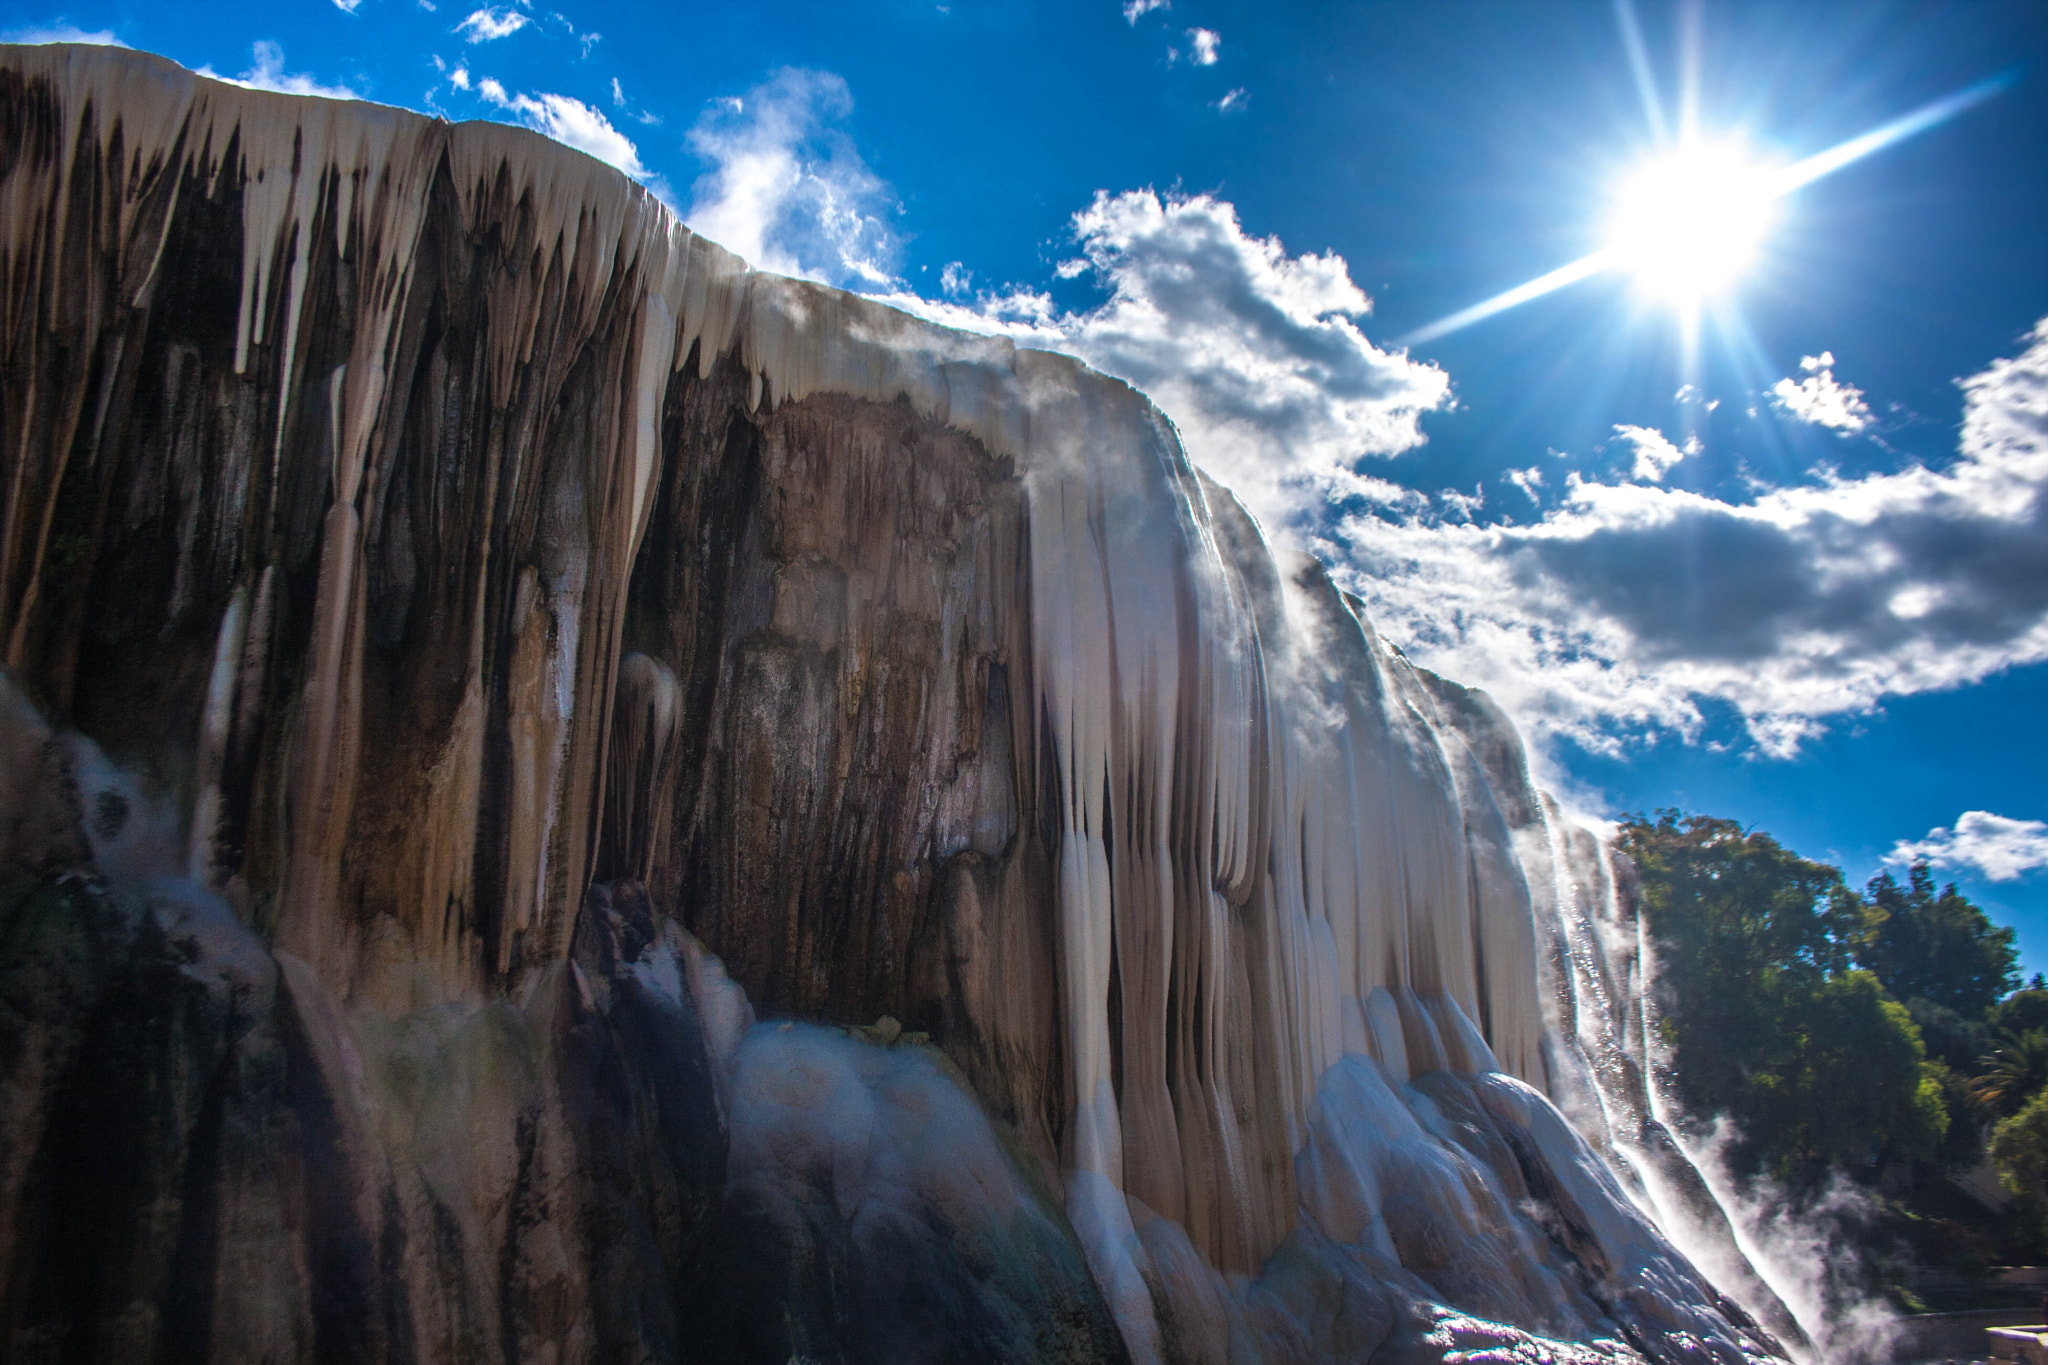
473 646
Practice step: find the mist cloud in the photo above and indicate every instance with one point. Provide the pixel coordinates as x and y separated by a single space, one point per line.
787 189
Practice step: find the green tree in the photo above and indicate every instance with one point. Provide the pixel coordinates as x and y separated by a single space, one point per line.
2019 1148
2013 1073
1962 1146
2020 1011
1767 1018
1940 948
1849 1086
1956 1042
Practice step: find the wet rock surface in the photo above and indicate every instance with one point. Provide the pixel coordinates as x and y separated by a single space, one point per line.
469 644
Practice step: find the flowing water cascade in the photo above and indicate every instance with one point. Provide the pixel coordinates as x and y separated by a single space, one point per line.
565 798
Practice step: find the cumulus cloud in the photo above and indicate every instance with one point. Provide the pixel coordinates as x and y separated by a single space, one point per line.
1630 605
1203 44
1256 354
1655 454
60 32
1135 10
268 73
787 190
1999 847
486 24
573 123
1820 398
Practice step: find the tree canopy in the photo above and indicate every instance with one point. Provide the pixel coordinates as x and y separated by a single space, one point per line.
1874 1034
1767 1015
1934 947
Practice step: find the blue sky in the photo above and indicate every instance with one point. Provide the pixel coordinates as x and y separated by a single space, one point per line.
1795 572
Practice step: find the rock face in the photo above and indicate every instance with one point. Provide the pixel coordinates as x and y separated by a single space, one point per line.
444 603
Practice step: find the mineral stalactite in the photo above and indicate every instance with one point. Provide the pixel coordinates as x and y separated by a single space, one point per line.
473 647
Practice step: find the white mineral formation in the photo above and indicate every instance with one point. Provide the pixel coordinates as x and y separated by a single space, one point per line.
442 528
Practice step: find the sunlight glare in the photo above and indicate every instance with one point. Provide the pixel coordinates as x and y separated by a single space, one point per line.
1685 225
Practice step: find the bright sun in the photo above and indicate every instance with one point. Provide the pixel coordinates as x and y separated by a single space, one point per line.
1687 224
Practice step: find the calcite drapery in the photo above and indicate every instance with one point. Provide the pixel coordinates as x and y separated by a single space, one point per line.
440 530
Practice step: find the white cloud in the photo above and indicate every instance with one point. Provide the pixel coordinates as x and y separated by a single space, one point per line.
1820 398
1205 43
1655 454
1135 10
60 32
347 6
787 190
1999 847
618 94
1258 355
1234 100
1461 504
575 124
1528 480
1628 606
487 23
268 73
459 78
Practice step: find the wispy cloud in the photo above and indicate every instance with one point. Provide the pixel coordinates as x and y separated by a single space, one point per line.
1820 398
1234 100
1655 453
486 24
2001 848
348 6
1135 10
268 73
60 32
619 101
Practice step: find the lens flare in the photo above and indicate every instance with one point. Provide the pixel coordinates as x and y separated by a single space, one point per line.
1687 224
